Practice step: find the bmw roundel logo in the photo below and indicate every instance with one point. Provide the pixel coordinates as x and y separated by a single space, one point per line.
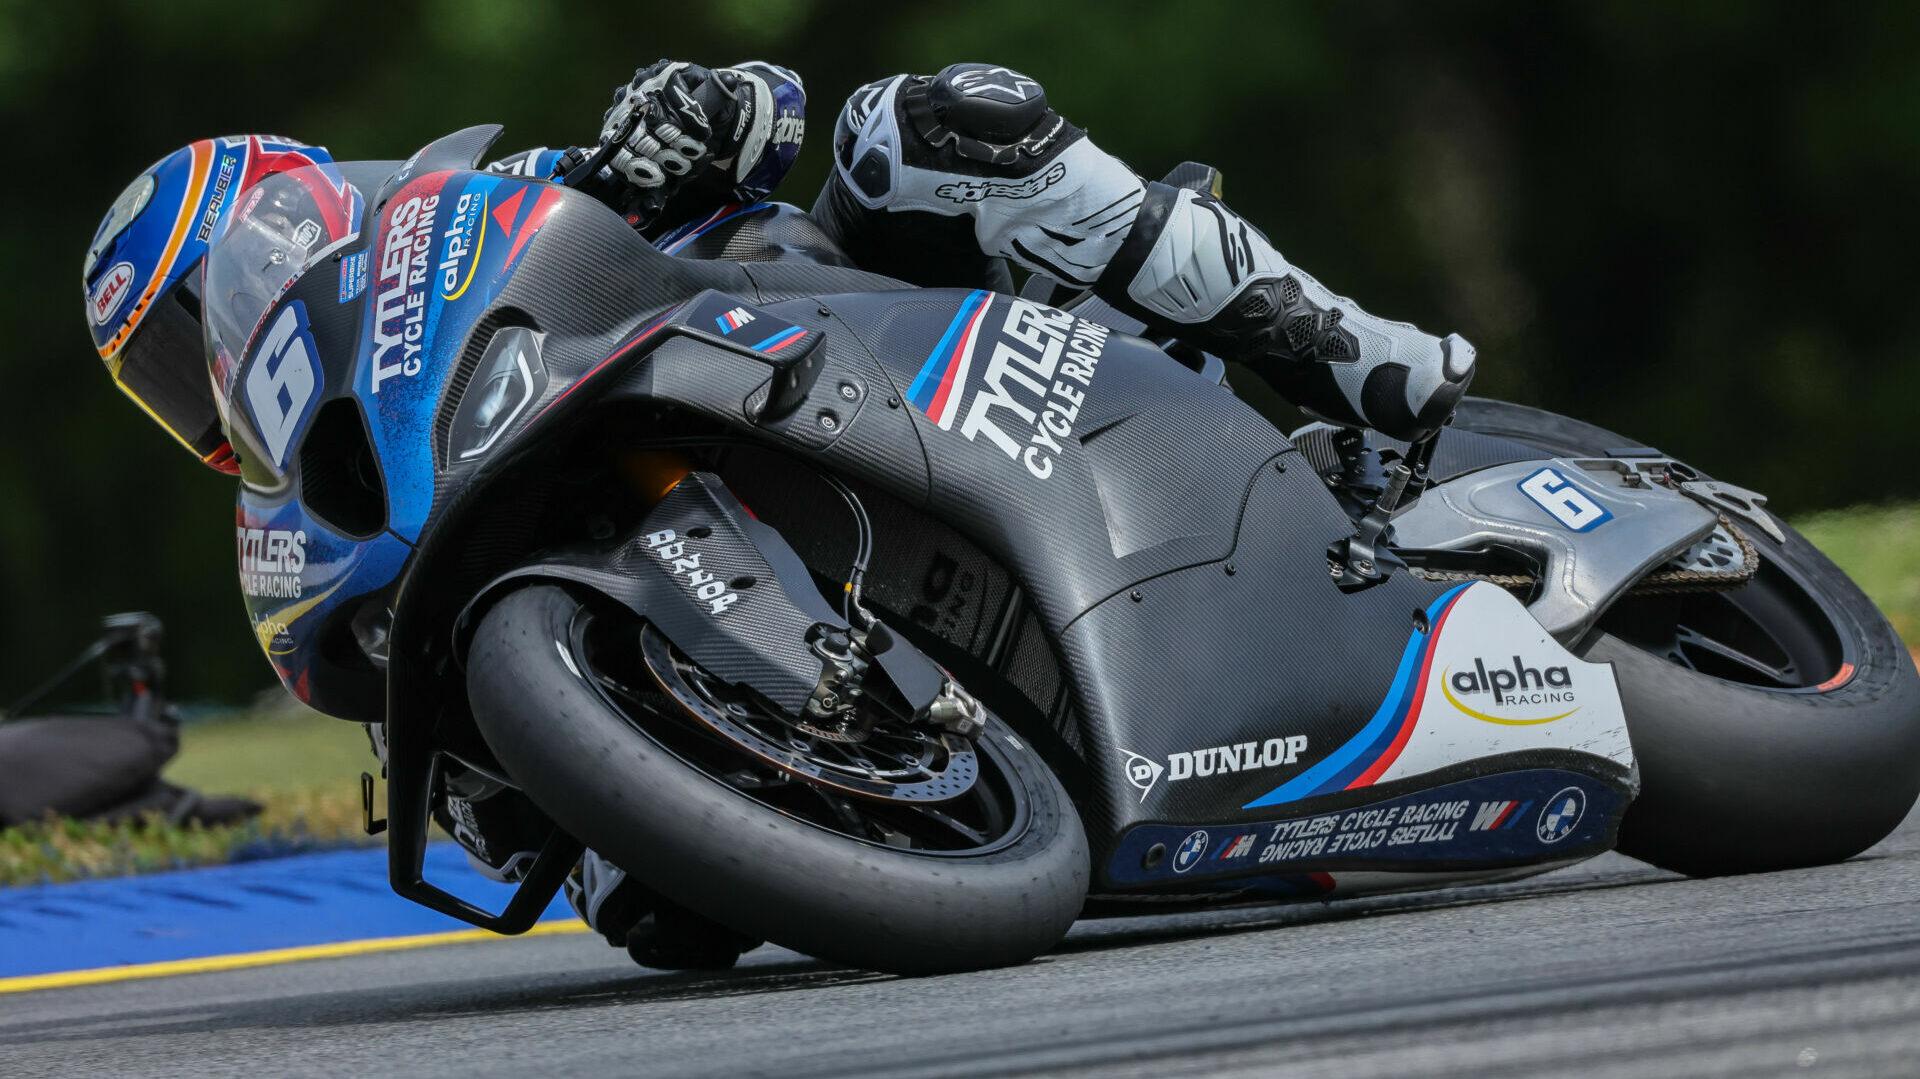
1191 848
1558 817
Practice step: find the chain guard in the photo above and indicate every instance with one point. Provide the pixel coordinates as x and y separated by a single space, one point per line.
1722 559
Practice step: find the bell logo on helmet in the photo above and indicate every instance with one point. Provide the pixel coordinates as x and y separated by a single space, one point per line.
111 292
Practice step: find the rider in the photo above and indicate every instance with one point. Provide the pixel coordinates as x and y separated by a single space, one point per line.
938 180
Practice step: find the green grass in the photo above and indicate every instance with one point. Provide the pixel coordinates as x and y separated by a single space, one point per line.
1879 547
302 766
279 748
305 767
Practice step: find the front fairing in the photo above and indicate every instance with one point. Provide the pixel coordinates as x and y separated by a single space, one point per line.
387 318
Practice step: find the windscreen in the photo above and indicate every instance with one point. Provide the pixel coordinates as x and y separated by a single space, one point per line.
281 226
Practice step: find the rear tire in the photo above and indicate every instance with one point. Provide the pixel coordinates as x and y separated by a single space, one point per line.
737 860
1740 777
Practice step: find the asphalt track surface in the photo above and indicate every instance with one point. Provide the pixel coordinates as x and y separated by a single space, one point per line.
1608 968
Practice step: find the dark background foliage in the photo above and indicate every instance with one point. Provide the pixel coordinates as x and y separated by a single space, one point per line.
1693 222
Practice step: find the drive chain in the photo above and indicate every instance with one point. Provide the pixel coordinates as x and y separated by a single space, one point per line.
1666 581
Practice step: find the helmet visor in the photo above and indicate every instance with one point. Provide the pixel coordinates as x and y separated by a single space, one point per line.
163 368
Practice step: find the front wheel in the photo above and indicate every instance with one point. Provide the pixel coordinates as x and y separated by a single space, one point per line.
855 852
1776 724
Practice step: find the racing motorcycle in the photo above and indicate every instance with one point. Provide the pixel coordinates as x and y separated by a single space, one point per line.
902 627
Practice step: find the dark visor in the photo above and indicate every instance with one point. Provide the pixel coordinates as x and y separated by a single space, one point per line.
164 369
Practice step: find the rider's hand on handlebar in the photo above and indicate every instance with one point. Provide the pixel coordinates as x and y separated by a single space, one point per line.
673 119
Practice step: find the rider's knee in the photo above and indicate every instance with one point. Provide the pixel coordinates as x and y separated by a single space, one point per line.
969 119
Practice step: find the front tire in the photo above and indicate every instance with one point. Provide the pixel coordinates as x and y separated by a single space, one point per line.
629 789
1776 725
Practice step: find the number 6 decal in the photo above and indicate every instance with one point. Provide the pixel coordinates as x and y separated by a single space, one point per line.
282 381
1564 501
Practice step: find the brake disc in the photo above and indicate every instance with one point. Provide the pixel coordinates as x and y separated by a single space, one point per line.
893 763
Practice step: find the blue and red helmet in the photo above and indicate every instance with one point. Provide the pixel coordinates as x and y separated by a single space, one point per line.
142 278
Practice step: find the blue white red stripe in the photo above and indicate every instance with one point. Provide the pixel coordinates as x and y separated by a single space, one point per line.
1499 816
937 389
1364 757
781 340
673 241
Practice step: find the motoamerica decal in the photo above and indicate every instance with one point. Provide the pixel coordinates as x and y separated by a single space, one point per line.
1511 818
1035 366
1481 678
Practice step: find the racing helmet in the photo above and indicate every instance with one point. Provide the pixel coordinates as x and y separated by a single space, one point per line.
142 279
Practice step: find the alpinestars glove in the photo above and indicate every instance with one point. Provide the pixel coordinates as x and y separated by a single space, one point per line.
675 119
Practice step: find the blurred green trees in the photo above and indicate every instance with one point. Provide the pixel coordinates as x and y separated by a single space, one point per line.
1693 222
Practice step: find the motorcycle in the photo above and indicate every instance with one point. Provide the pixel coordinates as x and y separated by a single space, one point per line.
903 627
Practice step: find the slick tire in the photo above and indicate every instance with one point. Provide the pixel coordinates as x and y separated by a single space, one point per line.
1739 779
739 862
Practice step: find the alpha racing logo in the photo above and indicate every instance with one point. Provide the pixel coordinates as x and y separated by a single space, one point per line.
978 190
1518 693
466 235
1037 379
271 561
673 551
274 636
400 308
1143 772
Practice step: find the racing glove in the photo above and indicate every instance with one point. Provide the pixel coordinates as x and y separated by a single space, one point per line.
677 122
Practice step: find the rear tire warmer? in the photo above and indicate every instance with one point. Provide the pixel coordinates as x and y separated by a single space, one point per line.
1738 779
713 849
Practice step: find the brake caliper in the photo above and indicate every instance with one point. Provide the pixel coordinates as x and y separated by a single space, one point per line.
833 710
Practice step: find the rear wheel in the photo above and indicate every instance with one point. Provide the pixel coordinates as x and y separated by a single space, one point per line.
1776 724
894 848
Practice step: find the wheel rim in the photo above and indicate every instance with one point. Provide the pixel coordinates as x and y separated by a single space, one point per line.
1774 632
967 806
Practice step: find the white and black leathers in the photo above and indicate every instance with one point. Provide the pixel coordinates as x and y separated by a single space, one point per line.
937 178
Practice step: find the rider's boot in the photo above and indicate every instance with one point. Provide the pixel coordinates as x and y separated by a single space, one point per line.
657 933
499 828
501 831
675 938
1196 269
